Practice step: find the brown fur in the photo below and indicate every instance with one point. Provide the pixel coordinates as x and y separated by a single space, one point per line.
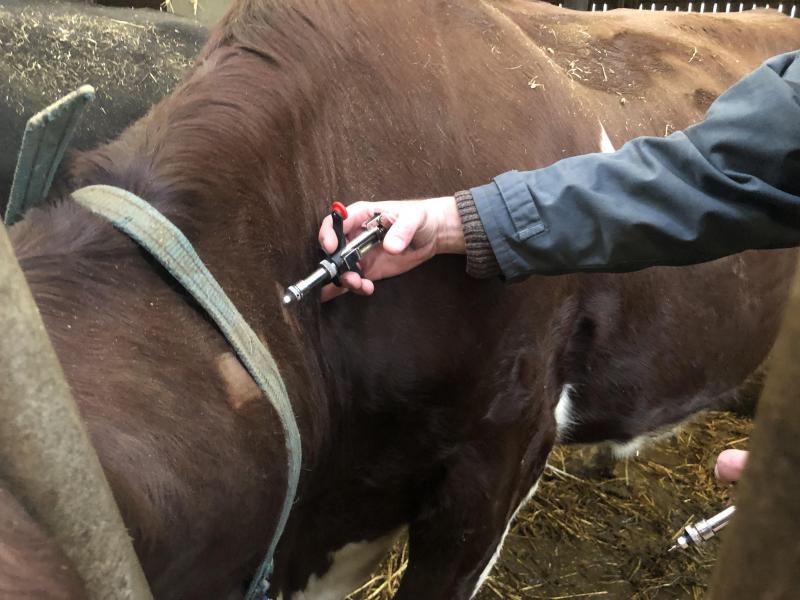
32 565
239 385
430 404
761 557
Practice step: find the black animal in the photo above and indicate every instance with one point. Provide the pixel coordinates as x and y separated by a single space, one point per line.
132 57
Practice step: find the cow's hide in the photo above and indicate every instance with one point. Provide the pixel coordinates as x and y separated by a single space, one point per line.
434 404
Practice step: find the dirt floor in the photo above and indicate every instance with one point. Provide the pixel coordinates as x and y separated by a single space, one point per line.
207 12
601 530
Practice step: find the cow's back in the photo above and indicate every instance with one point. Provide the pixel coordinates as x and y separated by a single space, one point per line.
482 88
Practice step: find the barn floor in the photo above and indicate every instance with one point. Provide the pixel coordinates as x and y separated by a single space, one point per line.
602 531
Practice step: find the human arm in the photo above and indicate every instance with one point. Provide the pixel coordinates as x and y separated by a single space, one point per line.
727 184
730 183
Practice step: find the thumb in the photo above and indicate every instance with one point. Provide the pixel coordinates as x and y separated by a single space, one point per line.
730 464
402 231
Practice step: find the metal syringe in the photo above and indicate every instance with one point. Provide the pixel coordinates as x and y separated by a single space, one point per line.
344 259
703 530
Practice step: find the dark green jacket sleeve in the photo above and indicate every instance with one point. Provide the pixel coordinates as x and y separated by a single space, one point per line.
727 184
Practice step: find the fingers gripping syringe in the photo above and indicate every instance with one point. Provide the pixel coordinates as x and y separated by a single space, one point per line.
344 259
699 533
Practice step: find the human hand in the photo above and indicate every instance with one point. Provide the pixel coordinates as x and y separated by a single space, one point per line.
418 230
730 464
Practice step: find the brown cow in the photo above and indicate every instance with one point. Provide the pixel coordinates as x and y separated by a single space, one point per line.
433 405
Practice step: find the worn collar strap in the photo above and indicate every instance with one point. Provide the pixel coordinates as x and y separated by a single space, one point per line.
156 234
47 135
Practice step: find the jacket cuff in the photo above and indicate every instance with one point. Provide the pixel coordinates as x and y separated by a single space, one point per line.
481 262
511 222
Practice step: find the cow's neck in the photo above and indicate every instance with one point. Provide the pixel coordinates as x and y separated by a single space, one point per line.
217 158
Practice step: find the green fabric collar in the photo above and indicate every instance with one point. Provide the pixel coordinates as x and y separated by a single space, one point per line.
47 135
165 242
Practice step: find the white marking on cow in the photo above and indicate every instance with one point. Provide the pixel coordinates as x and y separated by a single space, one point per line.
564 419
490 565
564 413
605 142
350 566
629 448
240 387
633 446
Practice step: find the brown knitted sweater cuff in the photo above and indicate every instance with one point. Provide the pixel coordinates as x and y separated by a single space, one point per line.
481 262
